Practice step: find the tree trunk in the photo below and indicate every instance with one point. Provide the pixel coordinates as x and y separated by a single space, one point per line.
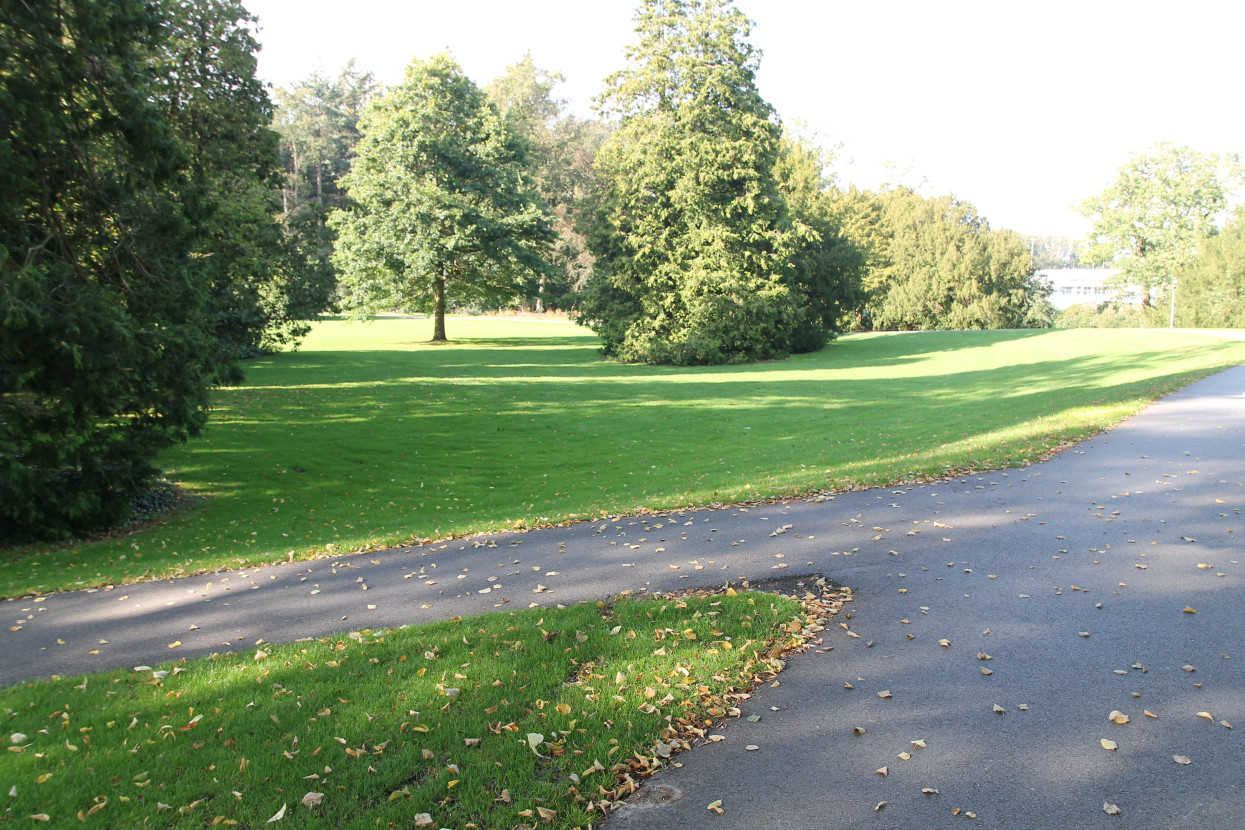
438 310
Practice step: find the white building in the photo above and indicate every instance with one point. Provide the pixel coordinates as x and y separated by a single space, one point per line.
1073 286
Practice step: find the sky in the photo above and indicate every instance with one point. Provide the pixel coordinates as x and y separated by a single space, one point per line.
1022 108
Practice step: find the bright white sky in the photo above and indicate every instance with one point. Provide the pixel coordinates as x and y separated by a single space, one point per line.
1023 109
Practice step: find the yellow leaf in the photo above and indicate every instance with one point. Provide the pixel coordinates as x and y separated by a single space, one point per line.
905 756
449 785
716 806
882 771
884 695
1189 610
1149 714
1109 745
1117 716
986 671
44 777
563 709
41 817
1207 715
546 813
945 643
859 730
999 710
918 744
175 644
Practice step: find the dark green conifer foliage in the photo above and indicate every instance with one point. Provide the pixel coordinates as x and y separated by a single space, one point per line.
102 343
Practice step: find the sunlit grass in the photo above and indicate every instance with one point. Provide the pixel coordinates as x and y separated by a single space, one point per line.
499 721
370 436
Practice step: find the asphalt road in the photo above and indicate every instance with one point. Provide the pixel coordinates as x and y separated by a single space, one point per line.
1072 575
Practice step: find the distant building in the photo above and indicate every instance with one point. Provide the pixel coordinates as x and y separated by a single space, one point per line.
1073 286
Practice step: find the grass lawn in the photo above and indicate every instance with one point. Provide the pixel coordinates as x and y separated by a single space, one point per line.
371 437
543 717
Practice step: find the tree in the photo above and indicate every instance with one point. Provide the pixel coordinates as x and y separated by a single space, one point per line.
317 120
937 264
205 69
690 231
560 152
439 211
104 347
1212 289
826 265
1149 221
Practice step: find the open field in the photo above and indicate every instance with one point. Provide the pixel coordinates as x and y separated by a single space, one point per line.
371 437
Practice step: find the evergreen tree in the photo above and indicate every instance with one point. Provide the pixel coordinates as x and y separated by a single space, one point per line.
104 357
691 231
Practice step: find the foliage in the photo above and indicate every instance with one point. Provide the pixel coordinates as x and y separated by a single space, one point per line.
690 230
1112 315
1053 252
370 437
103 342
1211 291
470 722
560 152
206 84
827 267
935 263
1149 221
317 119
440 212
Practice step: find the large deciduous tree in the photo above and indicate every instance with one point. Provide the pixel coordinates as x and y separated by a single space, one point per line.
691 231
439 210
104 356
1149 221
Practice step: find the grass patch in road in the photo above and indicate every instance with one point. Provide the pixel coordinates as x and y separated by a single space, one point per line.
371 437
497 721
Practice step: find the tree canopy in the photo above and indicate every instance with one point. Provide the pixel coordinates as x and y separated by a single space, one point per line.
691 231
105 338
1212 287
439 208
1149 220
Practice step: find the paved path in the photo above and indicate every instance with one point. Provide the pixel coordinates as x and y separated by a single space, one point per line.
1108 539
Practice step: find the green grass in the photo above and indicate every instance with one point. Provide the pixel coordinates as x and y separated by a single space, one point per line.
371 437
537 717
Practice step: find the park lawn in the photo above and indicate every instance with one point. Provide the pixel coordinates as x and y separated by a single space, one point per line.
370 436
506 720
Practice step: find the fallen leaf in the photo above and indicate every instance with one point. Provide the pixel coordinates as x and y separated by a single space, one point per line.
945 643
1207 715
917 744
280 814
1189 668
882 771
877 808
175 644
423 820
1149 714
859 730
752 747
1183 760
1189 610
715 806
312 799
546 813
999 710
884 695
1117 716
905 756
1111 809
986 671
1109 745
930 791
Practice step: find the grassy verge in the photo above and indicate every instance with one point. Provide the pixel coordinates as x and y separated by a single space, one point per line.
371 437
539 717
